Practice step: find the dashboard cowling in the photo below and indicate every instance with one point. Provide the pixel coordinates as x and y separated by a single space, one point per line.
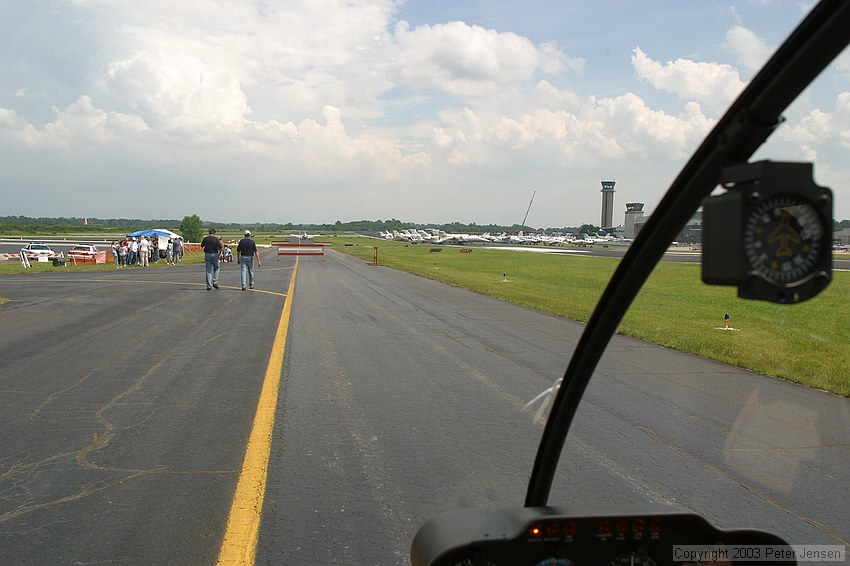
529 536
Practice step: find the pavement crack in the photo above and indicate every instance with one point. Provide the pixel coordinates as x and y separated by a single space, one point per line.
102 440
70 497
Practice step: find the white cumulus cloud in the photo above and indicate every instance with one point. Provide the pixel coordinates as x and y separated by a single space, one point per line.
470 60
751 51
713 85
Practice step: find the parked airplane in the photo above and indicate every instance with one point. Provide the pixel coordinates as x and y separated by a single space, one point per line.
588 239
441 237
408 235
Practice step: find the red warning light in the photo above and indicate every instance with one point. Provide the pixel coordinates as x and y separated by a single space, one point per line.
552 530
622 527
639 526
536 531
570 529
655 526
604 528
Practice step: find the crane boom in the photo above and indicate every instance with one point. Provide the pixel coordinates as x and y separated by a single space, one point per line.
528 209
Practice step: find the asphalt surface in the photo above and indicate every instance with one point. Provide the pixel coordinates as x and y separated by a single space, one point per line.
127 397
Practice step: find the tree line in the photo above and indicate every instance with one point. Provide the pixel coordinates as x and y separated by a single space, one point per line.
192 227
27 225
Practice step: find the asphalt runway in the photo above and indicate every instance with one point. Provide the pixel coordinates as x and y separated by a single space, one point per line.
127 398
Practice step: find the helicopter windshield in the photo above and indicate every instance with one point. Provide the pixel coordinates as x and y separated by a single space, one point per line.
664 384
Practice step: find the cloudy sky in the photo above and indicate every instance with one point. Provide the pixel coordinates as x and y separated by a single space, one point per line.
432 111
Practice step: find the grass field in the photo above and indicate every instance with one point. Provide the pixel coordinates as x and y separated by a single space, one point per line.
807 343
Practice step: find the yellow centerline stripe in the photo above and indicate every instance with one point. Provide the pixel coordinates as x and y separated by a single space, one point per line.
239 545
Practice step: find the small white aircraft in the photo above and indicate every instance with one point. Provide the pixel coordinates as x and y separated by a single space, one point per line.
407 235
304 236
587 239
441 237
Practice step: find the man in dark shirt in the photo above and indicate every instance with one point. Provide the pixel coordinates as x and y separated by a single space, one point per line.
211 245
246 251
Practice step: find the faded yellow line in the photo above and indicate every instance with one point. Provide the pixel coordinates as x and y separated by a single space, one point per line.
239 545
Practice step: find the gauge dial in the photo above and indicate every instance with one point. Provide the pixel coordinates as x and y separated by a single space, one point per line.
783 239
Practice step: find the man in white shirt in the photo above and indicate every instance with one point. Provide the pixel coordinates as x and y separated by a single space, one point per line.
134 252
144 251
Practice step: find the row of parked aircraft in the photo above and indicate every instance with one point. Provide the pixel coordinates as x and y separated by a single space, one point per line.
434 236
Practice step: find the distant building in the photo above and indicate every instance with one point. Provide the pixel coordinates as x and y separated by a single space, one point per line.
690 234
607 222
634 212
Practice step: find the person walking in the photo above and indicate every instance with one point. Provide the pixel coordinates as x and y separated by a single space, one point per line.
246 251
212 246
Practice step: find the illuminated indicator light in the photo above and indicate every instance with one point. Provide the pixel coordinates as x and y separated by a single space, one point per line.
655 526
570 529
638 526
604 528
535 531
622 527
552 530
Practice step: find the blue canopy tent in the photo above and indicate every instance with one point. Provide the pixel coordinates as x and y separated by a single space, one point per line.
161 234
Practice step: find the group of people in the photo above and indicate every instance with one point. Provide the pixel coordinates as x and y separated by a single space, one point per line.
246 252
142 251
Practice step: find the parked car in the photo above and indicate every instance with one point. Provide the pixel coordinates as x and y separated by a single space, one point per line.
35 250
83 251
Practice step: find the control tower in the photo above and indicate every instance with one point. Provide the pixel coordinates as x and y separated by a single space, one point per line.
634 212
607 205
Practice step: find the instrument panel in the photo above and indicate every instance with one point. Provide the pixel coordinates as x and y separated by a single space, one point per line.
546 536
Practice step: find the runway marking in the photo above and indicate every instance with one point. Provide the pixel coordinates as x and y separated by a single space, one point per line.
239 545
